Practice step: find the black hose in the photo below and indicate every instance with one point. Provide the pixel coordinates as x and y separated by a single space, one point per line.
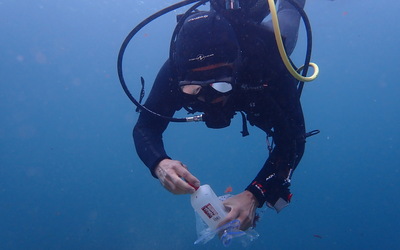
124 46
309 43
172 45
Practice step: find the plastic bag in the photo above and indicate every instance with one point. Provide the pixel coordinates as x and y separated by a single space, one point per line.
228 232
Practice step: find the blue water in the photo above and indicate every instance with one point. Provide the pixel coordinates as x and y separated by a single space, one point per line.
70 177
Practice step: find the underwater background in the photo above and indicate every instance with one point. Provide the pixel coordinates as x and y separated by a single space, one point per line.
69 174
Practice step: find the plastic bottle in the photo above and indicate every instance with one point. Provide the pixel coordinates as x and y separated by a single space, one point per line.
208 206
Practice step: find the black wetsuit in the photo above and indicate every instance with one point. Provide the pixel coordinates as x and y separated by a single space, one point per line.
267 94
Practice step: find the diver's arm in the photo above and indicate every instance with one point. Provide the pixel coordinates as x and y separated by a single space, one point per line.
272 183
147 133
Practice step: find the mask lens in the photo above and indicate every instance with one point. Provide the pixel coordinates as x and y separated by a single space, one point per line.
222 87
194 87
191 89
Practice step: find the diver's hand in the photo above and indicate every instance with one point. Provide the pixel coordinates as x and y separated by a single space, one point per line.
242 207
175 177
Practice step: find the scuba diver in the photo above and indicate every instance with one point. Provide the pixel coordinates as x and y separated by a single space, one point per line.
222 62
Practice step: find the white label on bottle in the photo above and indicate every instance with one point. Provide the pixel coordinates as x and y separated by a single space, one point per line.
209 210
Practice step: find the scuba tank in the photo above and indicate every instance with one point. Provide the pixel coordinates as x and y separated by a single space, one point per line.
250 10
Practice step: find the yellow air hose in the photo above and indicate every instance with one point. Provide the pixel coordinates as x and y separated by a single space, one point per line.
282 51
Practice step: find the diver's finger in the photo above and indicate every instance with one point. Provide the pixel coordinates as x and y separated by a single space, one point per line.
172 187
184 187
228 218
168 178
188 177
191 180
246 221
232 215
174 183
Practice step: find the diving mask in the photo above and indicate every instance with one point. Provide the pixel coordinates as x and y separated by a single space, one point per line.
222 85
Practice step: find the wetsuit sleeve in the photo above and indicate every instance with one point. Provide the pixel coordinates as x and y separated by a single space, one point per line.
289 21
147 133
272 183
